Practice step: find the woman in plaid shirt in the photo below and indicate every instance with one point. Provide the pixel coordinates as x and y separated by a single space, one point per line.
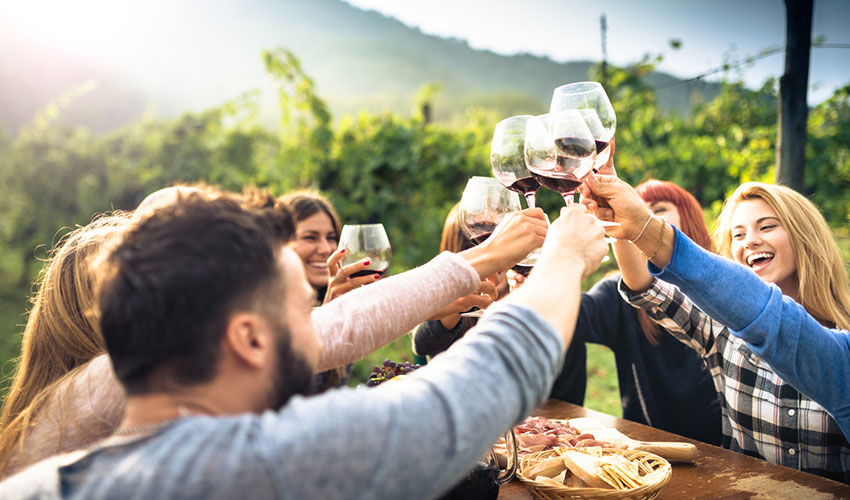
775 339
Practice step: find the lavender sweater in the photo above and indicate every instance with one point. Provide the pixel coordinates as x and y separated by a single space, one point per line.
814 359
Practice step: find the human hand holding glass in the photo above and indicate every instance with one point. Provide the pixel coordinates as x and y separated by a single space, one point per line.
483 205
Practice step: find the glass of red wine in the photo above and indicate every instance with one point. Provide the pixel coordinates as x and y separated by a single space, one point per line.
483 205
366 241
547 161
560 150
507 157
585 97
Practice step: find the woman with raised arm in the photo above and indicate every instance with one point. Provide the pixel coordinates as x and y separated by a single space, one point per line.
772 322
316 241
662 383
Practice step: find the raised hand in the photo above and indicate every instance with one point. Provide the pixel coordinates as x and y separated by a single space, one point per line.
574 236
339 278
516 236
574 248
481 299
625 206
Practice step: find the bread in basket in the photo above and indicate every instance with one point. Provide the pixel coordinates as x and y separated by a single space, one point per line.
593 473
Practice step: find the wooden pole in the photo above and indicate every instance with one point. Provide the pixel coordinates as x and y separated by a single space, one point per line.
793 105
603 30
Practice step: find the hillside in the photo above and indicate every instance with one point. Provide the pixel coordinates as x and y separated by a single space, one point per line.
209 51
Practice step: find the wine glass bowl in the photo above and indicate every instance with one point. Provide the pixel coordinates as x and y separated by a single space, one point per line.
366 241
484 204
507 157
589 96
539 148
560 150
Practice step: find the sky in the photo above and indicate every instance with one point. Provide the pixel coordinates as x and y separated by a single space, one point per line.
712 32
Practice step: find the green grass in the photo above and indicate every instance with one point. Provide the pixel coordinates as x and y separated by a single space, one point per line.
603 392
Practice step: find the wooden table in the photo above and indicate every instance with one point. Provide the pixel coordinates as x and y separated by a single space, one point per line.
715 473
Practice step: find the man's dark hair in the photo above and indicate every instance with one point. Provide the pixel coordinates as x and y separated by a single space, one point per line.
171 283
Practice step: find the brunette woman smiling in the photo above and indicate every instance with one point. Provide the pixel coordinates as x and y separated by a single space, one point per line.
317 231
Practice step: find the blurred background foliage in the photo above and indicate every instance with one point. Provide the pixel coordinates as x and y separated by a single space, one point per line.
400 170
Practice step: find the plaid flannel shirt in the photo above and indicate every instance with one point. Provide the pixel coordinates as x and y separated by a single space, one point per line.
763 416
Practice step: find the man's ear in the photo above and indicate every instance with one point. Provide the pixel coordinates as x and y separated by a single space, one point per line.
249 338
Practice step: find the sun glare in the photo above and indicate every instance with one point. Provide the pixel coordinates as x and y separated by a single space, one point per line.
77 26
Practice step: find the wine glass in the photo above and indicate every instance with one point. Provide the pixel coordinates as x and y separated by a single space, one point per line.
484 479
484 204
560 149
587 97
544 158
366 241
507 157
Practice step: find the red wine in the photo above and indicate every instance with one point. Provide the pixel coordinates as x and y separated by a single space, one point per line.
368 272
575 147
484 229
600 145
525 185
480 239
558 184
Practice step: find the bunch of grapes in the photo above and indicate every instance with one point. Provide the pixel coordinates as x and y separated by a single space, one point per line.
388 370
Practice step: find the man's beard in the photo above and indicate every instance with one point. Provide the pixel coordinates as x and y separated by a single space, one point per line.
294 374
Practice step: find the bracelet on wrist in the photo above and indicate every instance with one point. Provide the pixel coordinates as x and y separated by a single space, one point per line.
645 225
657 243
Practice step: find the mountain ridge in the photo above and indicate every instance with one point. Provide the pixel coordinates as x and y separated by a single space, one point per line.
359 59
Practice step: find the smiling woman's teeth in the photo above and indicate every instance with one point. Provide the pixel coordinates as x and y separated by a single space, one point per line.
757 258
319 265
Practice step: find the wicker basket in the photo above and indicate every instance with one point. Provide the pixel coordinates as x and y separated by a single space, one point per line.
647 463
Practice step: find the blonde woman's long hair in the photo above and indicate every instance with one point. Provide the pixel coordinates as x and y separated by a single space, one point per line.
61 333
824 287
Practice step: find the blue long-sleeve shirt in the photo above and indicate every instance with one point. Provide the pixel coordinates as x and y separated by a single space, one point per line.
345 443
814 359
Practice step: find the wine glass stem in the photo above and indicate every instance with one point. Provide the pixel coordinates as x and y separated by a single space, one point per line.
529 197
569 198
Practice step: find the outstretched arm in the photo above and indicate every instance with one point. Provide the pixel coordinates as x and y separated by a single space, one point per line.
812 358
370 317
492 378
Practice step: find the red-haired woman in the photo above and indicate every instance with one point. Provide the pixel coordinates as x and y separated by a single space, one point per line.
663 383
